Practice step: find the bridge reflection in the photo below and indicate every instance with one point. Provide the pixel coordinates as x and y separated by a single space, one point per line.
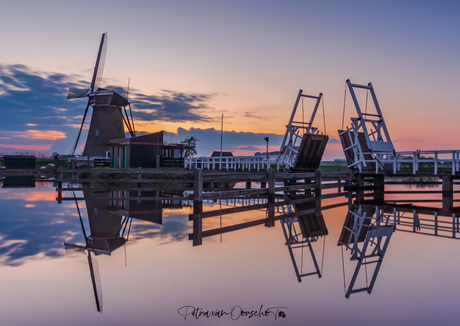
370 223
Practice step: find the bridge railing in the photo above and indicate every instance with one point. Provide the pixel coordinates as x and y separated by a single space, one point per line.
416 160
244 163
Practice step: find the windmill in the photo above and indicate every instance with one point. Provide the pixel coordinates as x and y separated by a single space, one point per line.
109 110
107 235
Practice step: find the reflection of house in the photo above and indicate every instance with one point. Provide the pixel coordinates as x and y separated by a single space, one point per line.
19 181
147 151
146 210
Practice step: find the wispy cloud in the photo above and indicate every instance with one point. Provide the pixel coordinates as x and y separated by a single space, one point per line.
209 140
30 98
173 106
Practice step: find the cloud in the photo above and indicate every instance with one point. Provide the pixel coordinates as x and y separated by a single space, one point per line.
250 148
36 98
39 228
36 134
333 140
30 98
248 114
37 117
172 106
209 140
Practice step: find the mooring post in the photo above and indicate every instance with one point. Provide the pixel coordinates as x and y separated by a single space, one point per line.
271 185
271 215
197 228
318 206
197 191
59 185
447 193
318 180
139 177
197 207
379 188
248 184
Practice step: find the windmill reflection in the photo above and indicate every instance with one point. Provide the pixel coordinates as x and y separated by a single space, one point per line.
110 215
367 237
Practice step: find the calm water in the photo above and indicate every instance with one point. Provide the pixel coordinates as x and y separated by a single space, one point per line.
148 276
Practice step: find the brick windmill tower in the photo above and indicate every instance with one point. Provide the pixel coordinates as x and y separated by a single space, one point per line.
110 113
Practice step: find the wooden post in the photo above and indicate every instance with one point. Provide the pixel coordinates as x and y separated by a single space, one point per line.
59 184
447 193
271 215
318 206
139 177
248 184
318 183
197 207
197 191
379 188
263 184
447 183
271 185
350 179
197 228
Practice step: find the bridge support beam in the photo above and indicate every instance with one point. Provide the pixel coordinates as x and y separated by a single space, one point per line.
447 193
379 188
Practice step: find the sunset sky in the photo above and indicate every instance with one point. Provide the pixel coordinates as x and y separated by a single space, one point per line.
189 62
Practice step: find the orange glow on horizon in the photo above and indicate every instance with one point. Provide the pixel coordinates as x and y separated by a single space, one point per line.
28 147
42 134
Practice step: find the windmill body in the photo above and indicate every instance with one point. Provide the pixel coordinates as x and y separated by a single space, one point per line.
106 122
109 114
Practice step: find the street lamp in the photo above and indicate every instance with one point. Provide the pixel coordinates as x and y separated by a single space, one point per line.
266 139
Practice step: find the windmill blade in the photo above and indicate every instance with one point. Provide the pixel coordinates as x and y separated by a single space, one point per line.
77 93
79 215
132 119
81 127
95 280
130 111
71 247
100 61
126 122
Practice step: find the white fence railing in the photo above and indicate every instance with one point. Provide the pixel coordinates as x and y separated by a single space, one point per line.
416 160
244 163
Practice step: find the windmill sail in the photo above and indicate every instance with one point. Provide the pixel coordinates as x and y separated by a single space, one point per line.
95 280
109 113
77 93
99 67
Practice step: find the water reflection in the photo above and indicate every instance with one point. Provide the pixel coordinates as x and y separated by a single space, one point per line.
110 214
366 232
19 181
299 227
301 231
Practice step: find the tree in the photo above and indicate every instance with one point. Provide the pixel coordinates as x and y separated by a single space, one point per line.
190 142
